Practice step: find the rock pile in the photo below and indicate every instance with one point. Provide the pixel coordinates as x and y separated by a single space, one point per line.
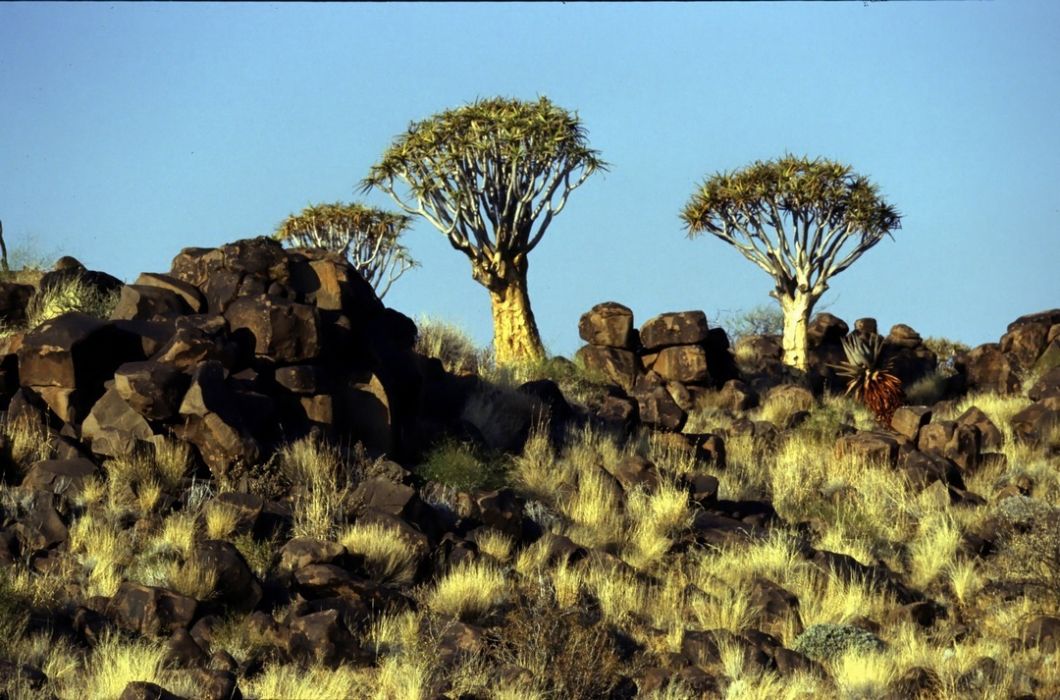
235 350
1026 358
660 369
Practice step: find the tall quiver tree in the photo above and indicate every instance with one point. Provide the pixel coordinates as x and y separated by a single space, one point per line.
366 236
802 221
491 175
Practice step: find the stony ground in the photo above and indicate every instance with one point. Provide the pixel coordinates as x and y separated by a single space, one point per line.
246 477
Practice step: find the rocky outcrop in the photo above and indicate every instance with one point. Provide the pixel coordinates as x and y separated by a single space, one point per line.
657 371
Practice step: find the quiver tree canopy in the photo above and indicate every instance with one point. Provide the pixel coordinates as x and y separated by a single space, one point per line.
491 175
366 236
802 221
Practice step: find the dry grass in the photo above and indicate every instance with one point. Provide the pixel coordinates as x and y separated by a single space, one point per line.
388 556
470 591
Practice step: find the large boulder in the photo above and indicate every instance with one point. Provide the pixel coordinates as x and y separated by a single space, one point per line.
609 323
620 366
77 353
14 298
114 428
282 330
676 328
987 368
150 611
152 389
147 303
682 363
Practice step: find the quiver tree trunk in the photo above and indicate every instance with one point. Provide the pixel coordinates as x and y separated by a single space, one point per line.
797 309
515 336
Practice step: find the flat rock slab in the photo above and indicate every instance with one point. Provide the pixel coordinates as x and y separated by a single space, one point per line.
677 328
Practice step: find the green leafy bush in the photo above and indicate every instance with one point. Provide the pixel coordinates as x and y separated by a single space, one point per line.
825 642
463 466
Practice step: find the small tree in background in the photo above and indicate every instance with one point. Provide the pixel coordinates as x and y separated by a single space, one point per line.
802 221
367 237
490 176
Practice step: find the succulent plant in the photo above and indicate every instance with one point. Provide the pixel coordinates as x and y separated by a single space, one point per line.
869 377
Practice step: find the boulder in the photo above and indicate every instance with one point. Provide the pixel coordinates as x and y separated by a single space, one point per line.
737 396
609 324
990 436
237 588
1048 385
150 611
636 471
955 441
224 447
365 413
618 365
60 475
113 427
189 293
1043 632
14 298
826 329
207 392
1036 423
987 368
1025 341
658 409
284 331
152 389
300 552
143 303
677 328
682 363
197 339
300 379
322 637
869 447
908 420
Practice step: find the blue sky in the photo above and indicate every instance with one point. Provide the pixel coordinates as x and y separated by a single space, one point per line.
129 131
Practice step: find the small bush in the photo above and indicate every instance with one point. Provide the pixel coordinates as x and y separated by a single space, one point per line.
825 642
764 319
463 466
928 390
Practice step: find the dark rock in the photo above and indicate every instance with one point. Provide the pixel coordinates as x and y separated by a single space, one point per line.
1024 342
773 601
678 328
986 368
150 611
502 510
990 436
618 365
609 324
236 586
247 508
144 303
720 530
280 329
300 379
183 651
114 428
1035 423
1048 385
217 684
702 488
633 471
916 682
682 363
304 551
908 420
955 441
826 329
365 413
790 662
737 396
879 448
198 339
14 298
152 389
658 409
619 411
62 476
1043 632
189 293
384 496
321 636
143 690
923 469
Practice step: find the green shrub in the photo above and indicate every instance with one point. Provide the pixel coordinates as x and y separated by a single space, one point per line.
464 466
826 642
929 389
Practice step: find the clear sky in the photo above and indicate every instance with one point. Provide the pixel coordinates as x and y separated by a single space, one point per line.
129 131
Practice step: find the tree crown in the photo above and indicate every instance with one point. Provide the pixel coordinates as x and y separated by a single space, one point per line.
367 236
485 172
792 217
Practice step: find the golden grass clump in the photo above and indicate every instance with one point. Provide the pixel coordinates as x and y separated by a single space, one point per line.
388 555
470 591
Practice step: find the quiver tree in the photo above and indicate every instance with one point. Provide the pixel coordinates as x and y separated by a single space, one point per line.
367 237
802 221
491 175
